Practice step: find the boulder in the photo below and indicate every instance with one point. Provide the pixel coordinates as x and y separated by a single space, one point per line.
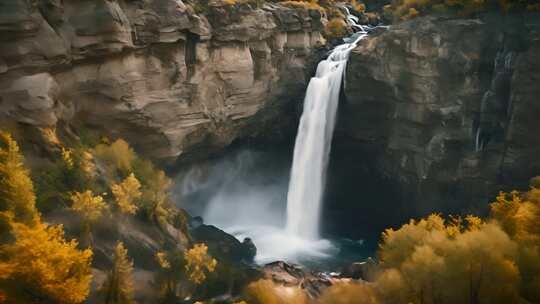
224 246
360 270
312 282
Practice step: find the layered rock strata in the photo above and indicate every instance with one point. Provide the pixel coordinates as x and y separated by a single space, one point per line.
171 81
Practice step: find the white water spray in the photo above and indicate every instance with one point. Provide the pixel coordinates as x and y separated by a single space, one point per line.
314 138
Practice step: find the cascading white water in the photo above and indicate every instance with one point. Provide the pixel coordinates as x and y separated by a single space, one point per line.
314 138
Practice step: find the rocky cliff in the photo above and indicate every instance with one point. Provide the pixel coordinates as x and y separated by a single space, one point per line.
447 109
168 79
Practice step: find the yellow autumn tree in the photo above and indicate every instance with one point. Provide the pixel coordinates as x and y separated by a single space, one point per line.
80 165
16 189
171 271
265 291
161 258
199 263
155 187
126 192
336 28
37 264
349 292
45 266
519 215
448 261
87 164
67 157
117 157
91 209
118 288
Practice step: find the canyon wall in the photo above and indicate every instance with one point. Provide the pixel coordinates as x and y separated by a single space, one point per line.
444 108
447 109
171 81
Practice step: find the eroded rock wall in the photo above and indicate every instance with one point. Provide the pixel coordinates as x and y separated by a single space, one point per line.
448 109
170 81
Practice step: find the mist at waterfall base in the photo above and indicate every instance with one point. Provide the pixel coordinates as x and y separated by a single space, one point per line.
244 192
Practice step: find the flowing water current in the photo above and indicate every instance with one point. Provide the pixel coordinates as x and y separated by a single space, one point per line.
313 142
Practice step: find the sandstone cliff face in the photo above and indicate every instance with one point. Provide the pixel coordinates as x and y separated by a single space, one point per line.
448 108
170 81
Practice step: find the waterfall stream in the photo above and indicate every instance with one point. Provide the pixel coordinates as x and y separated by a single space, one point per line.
250 195
314 139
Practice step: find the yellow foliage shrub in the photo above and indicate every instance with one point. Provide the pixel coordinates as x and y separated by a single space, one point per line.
346 293
454 261
117 157
199 263
307 4
37 264
171 271
87 164
412 13
267 292
519 215
118 287
336 28
155 188
16 188
161 258
67 157
358 6
126 193
43 264
230 2
73 171
89 206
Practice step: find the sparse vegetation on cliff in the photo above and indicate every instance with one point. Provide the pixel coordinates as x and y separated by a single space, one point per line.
38 263
330 9
118 287
407 9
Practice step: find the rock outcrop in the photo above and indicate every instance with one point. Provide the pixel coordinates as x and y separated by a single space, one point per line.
224 245
311 282
171 81
448 108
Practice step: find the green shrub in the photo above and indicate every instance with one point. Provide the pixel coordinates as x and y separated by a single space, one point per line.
73 170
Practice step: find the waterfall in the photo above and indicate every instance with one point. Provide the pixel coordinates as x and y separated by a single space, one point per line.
249 194
314 138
